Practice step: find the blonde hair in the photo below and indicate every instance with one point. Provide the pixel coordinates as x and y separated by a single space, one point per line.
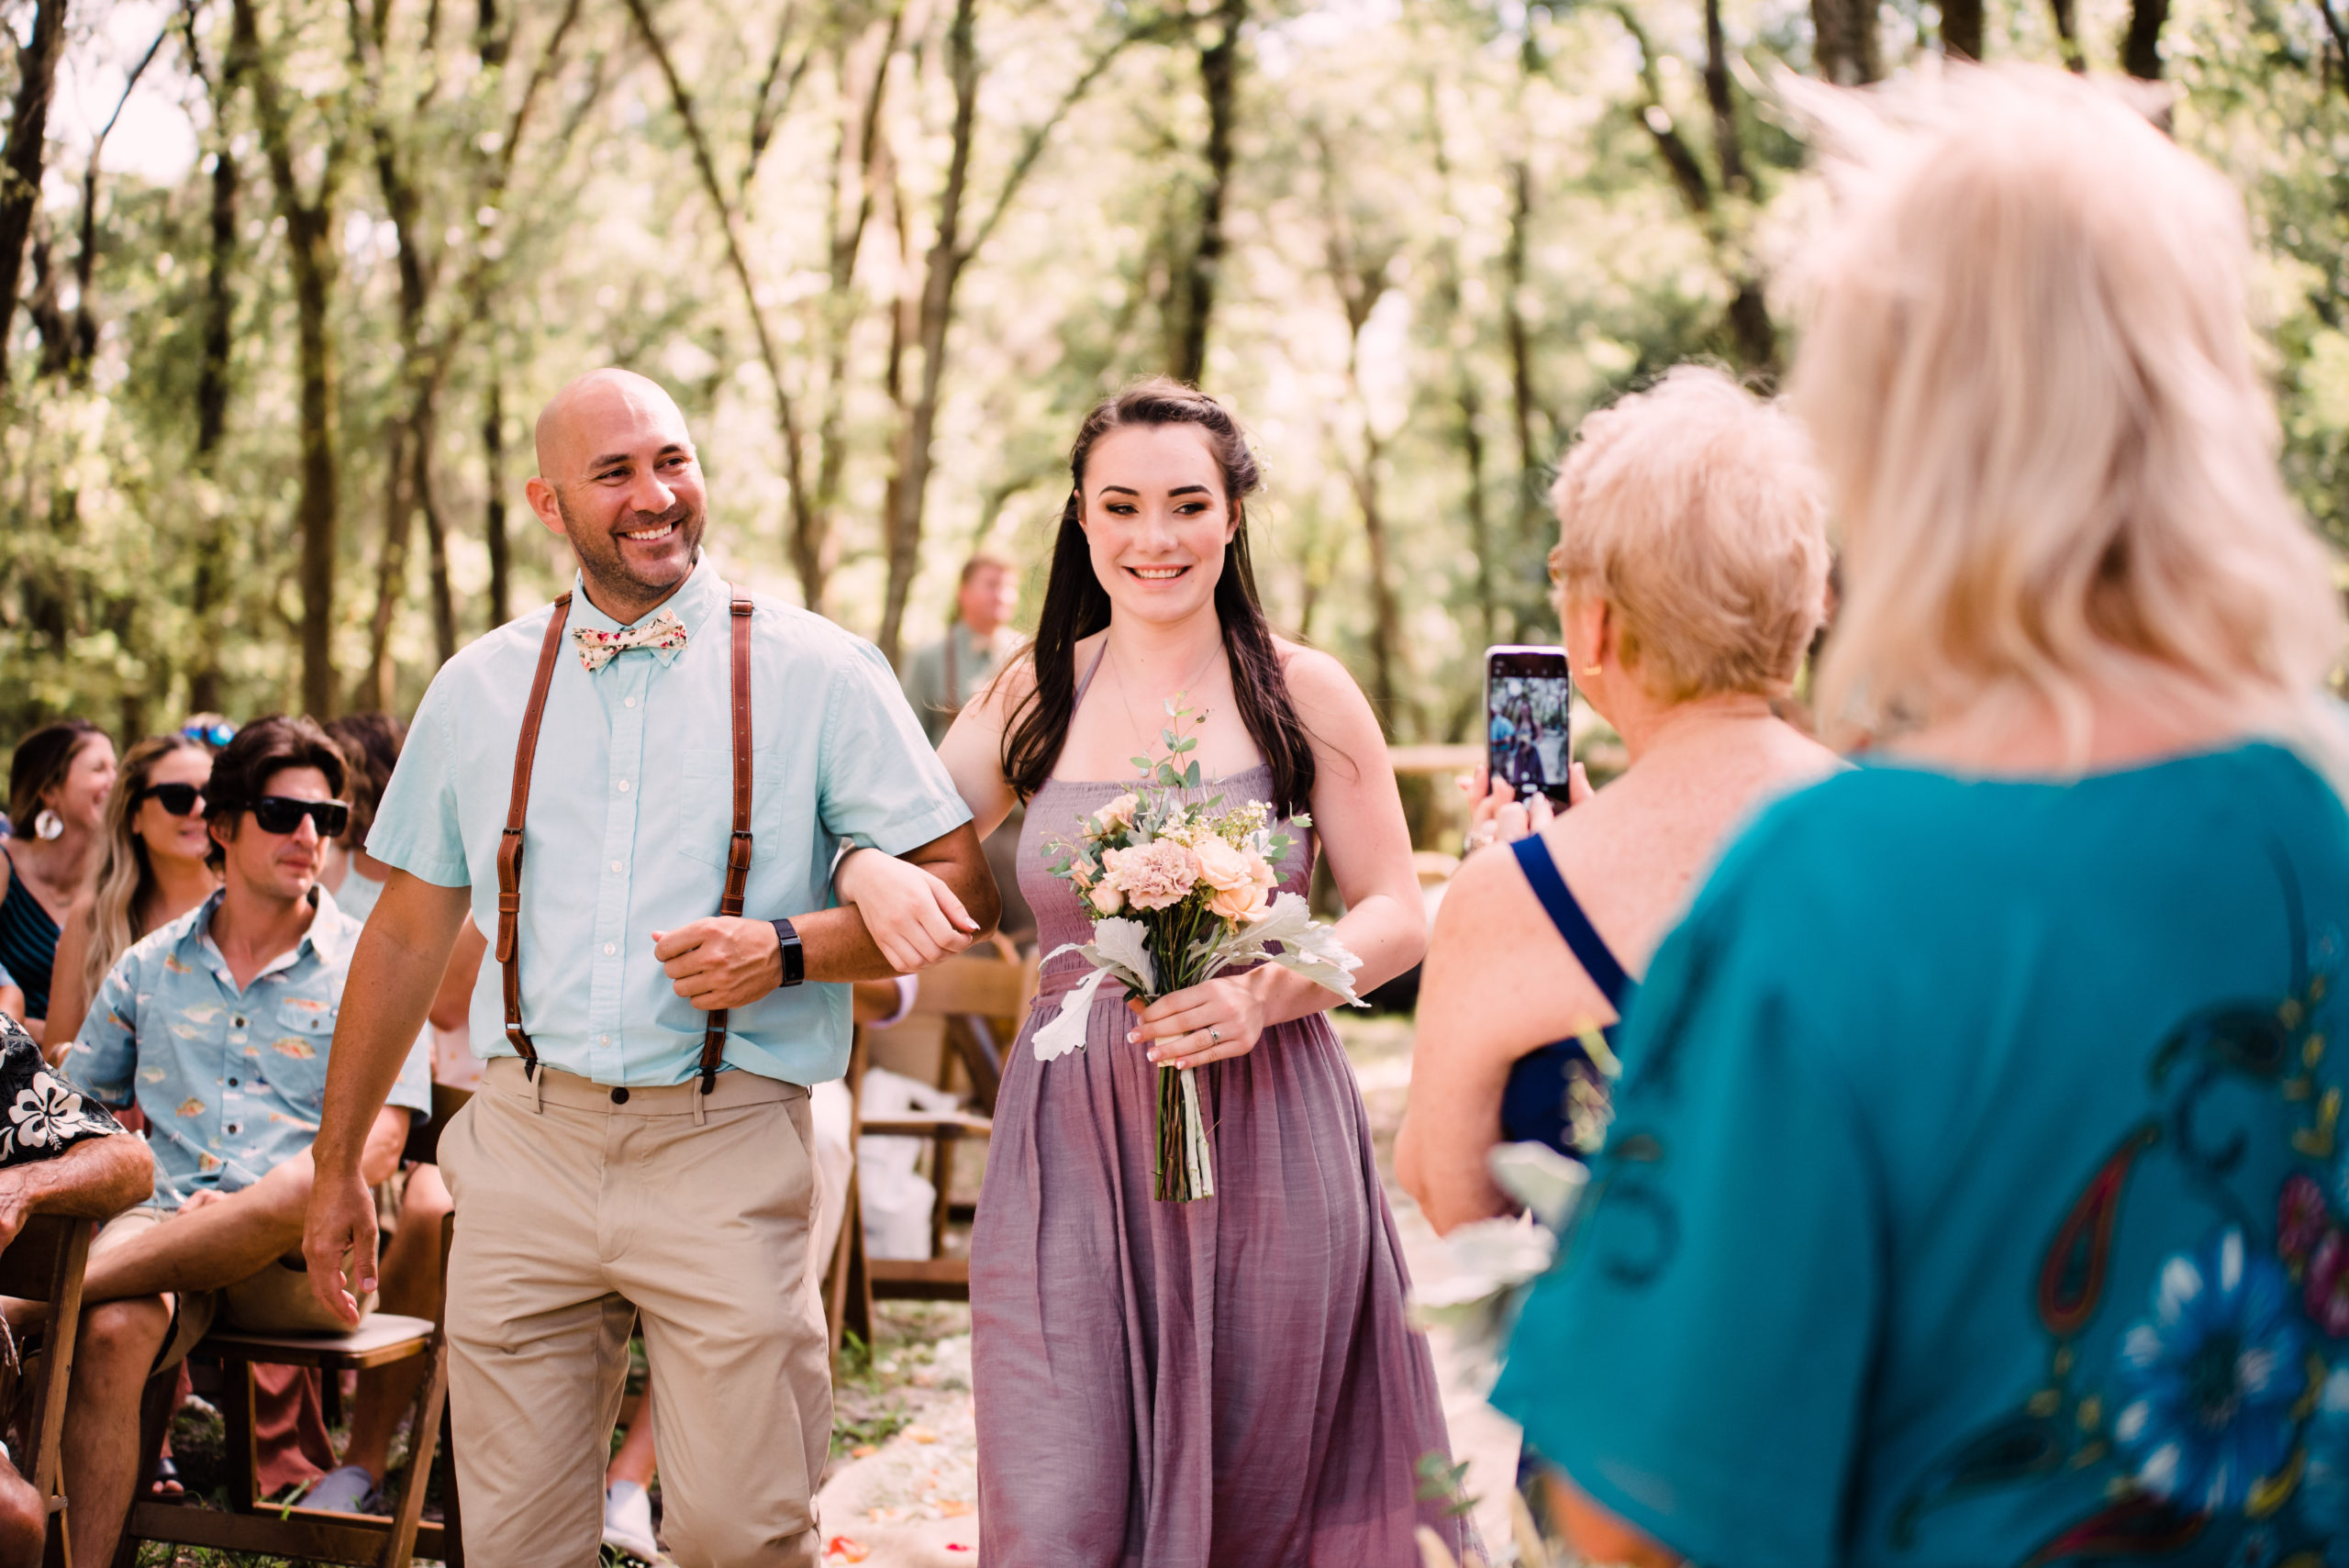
1692 509
2028 372
125 878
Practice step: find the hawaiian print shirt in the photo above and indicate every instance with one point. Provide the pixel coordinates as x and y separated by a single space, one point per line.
45 1114
232 1083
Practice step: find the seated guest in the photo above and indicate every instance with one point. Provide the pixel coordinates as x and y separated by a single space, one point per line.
1691 572
154 865
60 1153
57 782
370 742
219 1025
1975 1188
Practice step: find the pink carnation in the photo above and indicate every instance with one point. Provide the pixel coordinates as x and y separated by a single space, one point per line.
1153 876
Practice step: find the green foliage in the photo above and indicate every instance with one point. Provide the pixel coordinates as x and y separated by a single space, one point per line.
1451 228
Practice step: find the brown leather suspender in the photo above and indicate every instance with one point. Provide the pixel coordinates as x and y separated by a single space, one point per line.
509 846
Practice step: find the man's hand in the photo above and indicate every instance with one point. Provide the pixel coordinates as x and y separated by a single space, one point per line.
16 1205
340 1225
721 962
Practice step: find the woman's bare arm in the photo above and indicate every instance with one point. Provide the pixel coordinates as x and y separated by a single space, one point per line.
67 1000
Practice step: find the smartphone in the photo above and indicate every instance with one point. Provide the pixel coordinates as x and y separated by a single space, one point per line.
1528 694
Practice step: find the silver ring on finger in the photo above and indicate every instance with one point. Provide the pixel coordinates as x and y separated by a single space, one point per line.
1215 1036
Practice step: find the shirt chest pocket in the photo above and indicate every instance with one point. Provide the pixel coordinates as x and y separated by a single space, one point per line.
706 806
293 1047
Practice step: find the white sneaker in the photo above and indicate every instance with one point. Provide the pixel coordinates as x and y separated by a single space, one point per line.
628 1520
346 1491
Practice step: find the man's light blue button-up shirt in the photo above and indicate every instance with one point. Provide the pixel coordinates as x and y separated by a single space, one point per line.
232 1082
630 814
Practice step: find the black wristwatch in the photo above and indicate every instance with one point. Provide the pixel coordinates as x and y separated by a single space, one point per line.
794 958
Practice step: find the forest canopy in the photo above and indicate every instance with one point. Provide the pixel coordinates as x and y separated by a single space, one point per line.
286 280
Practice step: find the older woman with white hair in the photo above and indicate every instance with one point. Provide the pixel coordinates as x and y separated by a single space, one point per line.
1691 574
1976 1190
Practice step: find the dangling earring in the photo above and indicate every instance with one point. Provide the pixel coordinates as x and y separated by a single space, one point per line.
49 825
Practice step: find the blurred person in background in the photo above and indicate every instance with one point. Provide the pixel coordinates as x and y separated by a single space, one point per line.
58 782
12 999
371 743
942 677
153 869
1691 574
1974 1192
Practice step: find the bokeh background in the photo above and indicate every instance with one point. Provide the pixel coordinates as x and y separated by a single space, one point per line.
293 277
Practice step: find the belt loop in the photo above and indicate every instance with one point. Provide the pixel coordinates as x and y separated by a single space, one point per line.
538 1091
701 1110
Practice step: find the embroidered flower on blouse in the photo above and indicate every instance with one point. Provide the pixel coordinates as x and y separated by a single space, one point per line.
2208 1382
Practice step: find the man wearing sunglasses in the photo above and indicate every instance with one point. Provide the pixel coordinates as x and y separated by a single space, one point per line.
219 1025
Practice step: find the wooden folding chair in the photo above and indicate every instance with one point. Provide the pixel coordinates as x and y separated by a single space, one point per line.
316 1535
45 1263
978 998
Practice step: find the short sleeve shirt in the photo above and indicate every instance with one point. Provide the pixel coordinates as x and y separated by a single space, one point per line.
1977 1191
44 1115
232 1083
631 817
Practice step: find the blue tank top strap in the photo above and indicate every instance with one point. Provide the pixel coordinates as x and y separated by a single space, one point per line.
1590 949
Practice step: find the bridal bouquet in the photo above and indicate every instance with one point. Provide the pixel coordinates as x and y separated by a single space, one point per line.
1184 891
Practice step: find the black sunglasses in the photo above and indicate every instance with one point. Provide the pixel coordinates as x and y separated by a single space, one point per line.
179 799
283 814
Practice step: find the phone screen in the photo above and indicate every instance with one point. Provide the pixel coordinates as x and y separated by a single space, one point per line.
1528 694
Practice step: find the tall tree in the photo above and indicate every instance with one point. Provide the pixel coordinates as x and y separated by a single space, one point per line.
310 250
1220 83
20 167
1962 28
1845 41
209 585
2140 48
84 336
950 253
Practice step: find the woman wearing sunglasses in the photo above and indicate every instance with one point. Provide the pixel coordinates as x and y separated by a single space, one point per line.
151 872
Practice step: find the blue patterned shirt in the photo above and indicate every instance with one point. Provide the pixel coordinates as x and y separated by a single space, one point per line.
630 815
232 1082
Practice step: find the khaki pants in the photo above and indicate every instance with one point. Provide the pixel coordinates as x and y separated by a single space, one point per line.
574 1217
277 1300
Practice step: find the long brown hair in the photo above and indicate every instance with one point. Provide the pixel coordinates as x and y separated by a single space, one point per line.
126 876
1077 605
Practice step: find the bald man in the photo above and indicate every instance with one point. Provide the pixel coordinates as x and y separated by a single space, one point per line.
634 1154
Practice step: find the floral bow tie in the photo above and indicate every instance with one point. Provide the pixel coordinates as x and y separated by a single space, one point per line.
664 634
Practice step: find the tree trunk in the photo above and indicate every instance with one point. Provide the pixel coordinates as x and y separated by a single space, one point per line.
436 539
309 231
212 392
942 271
20 169
1962 28
1218 78
493 443
2067 34
2141 50
373 689
1846 48
1519 335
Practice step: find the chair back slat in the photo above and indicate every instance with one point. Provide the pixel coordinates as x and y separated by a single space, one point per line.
33 1267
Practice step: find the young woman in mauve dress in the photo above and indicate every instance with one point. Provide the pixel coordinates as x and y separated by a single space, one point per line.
1229 1381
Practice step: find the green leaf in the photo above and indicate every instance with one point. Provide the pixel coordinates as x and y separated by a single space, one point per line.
1142 763
1191 776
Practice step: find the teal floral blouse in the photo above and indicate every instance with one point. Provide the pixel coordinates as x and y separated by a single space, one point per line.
1977 1191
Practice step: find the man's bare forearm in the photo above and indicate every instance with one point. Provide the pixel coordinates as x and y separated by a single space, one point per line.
96 1179
836 945
397 967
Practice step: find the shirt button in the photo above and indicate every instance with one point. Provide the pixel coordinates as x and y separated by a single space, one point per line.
238 1022
232 1083
616 865
628 702
608 948
623 786
620 1096
603 1040
232 1128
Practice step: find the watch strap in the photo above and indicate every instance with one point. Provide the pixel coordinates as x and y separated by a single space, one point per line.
794 956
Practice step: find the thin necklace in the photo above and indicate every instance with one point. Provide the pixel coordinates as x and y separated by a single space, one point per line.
1126 697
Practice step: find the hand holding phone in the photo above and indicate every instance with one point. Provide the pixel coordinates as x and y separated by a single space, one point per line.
1529 694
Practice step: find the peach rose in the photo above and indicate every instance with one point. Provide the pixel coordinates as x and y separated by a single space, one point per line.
1118 813
1244 903
1106 898
1222 867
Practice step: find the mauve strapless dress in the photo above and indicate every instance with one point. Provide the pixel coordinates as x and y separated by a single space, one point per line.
1212 1384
